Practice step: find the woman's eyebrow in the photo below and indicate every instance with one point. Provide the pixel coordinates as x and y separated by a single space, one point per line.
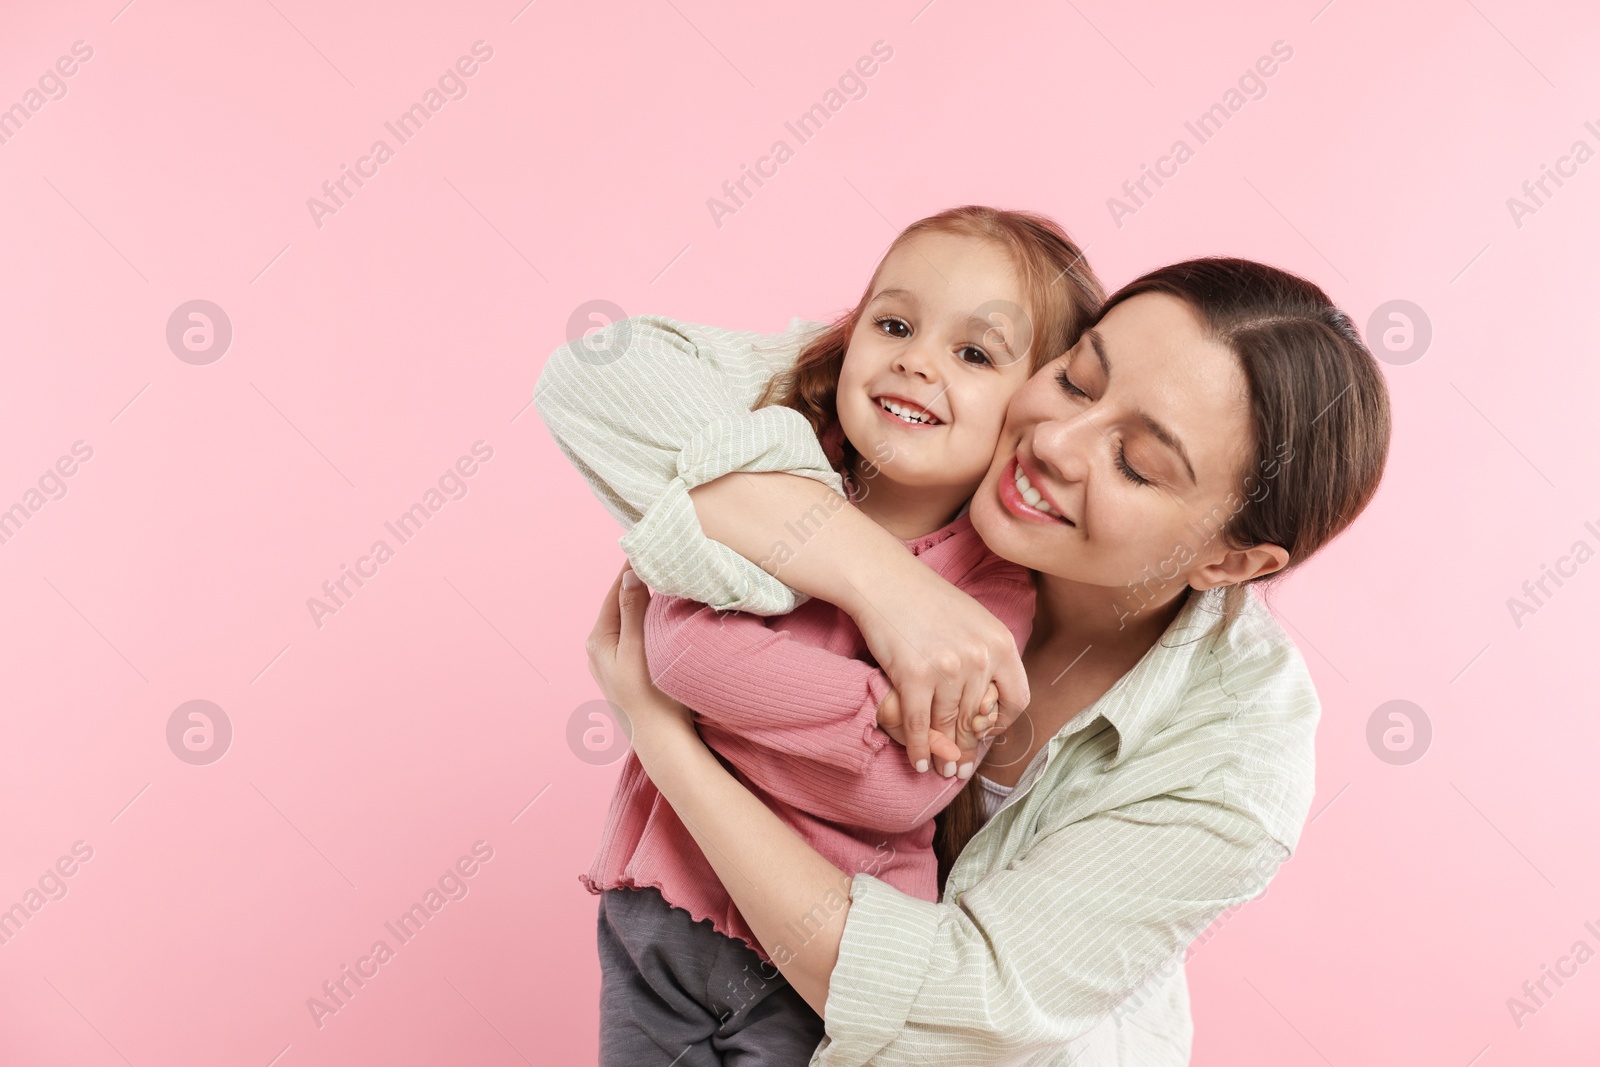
1166 437
1098 343
1157 430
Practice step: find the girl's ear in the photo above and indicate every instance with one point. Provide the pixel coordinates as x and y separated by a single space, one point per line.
1239 565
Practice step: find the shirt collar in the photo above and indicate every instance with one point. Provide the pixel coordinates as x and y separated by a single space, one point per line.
1145 699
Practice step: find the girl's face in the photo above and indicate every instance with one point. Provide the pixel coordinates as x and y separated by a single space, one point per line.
1119 460
937 354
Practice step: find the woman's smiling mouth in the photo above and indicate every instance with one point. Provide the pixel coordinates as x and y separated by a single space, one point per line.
1022 498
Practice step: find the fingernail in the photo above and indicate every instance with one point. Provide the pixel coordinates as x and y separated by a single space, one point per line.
966 770
629 579
922 766
950 768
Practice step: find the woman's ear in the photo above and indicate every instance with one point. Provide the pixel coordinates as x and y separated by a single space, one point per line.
1239 565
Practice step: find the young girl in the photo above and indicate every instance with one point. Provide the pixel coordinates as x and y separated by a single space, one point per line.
907 394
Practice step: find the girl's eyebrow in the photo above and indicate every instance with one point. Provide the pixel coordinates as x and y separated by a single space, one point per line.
904 294
984 327
1157 430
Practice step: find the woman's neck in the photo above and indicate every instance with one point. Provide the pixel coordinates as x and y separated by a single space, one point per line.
1081 645
908 512
1072 617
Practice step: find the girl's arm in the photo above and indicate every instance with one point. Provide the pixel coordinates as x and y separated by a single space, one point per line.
802 722
650 410
888 797
756 680
736 673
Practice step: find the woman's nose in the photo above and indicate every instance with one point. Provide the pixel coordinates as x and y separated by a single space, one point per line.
1064 446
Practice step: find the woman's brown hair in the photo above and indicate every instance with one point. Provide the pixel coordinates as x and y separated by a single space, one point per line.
1319 412
1062 291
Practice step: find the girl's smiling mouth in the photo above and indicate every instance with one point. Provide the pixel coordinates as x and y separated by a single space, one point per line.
906 412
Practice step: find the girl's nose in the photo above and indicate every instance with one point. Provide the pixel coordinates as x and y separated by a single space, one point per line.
915 360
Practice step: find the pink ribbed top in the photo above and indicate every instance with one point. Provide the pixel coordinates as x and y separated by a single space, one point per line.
790 704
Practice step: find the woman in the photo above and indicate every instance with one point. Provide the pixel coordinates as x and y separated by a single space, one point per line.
1218 423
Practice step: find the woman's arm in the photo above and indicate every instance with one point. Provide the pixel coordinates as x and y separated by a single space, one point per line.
647 409
1041 952
1031 957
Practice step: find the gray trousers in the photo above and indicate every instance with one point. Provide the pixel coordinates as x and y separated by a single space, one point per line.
674 991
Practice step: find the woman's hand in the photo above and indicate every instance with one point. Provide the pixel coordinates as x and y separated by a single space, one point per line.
618 665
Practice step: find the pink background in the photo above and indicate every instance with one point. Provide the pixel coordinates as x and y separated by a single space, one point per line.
372 352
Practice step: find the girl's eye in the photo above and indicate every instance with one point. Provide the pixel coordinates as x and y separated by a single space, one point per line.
894 327
974 355
1122 464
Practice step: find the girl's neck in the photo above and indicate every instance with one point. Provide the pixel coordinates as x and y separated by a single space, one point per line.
908 512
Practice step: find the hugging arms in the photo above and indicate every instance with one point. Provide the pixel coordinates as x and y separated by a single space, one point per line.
1169 770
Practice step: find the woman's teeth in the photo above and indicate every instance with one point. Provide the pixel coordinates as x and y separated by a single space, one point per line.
909 415
1034 498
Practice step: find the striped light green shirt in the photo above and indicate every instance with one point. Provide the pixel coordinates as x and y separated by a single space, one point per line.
1172 798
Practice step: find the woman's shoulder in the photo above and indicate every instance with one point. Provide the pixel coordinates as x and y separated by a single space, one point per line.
1256 660
1264 709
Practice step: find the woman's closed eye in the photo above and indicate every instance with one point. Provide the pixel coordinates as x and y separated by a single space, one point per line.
1128 472
1122 452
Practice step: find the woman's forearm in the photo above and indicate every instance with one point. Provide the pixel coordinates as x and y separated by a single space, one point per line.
794 900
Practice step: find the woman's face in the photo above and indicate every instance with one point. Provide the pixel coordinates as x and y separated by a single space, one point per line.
1119 461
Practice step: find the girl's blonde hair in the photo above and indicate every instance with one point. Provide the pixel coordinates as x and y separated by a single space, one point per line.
1062 291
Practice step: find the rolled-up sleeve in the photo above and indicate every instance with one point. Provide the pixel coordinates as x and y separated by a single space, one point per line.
1037 954
650 408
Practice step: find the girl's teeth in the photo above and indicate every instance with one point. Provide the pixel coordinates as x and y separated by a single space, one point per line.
904 412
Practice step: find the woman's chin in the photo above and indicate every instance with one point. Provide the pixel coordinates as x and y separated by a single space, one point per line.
990 520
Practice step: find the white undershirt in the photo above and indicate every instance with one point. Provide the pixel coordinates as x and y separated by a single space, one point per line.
991 795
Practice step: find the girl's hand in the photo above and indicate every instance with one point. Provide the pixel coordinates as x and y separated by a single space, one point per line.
950 743
618 665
